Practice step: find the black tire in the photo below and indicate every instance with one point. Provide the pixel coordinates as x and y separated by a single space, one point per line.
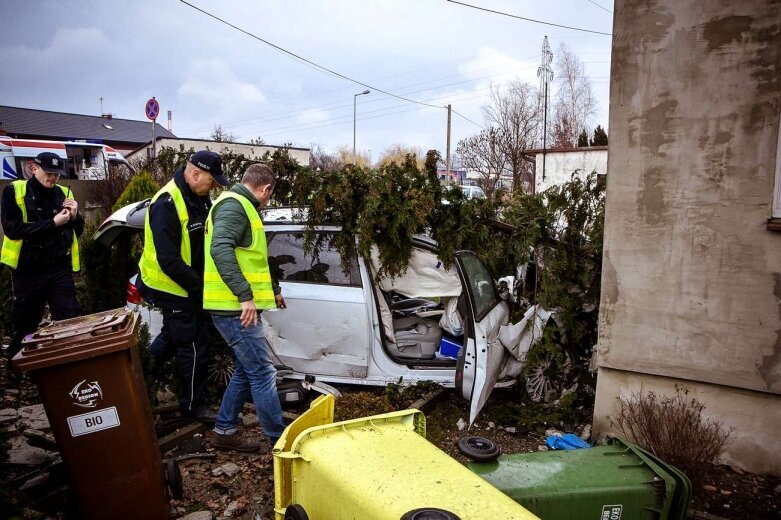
174 478
479 449
429 513
296 512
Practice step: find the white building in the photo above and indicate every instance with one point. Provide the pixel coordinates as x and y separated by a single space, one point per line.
562 163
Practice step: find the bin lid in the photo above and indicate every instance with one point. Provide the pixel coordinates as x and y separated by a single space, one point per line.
78 338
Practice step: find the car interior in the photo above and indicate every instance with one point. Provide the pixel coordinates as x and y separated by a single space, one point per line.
421 319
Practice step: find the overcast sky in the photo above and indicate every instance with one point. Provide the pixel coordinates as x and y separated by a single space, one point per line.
64 55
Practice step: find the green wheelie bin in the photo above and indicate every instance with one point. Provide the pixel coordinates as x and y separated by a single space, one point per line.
614 481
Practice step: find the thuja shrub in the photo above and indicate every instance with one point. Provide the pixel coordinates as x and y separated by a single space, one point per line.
672 428
140 187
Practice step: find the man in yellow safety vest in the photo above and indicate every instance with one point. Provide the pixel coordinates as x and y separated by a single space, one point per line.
41 222
171 275
237 286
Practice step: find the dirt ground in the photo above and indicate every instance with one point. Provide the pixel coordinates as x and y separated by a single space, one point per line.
246 491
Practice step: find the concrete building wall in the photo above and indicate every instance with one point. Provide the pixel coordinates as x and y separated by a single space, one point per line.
691 280
560 166
248 150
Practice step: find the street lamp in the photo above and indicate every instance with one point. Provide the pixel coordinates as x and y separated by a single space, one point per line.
355 100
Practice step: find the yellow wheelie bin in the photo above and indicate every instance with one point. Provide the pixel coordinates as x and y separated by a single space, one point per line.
378 467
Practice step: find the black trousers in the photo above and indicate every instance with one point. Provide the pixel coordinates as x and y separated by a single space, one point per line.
185 334
32 291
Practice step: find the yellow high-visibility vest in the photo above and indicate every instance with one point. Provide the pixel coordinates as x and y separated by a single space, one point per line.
151 272
12 248
253 262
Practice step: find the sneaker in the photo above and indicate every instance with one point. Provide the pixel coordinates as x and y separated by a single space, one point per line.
234 442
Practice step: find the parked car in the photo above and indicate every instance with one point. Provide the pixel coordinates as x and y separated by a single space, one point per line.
358 327
473 192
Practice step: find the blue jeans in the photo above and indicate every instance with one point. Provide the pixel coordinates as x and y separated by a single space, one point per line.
254 376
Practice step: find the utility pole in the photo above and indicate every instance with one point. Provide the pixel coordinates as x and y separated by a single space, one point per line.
545 73
447 158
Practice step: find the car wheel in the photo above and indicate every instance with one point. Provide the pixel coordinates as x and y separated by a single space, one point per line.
174 478
221 368
544 378
479 449
429 513
296 512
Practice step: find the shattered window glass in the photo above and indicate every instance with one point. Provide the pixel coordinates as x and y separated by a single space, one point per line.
288 261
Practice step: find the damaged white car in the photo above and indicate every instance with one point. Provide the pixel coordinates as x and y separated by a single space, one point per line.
449 326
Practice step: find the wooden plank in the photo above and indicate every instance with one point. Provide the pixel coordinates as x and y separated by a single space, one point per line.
171 440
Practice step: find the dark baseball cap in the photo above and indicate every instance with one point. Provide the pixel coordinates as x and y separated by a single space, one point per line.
209 162
50 162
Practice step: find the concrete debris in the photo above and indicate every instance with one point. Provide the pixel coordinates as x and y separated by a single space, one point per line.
586 433
708 487
8 415
235 508
510 429
34 417
229 469
491 425
199 515
542 447
24 454
737 469
35 481
461 424
249 419
41 439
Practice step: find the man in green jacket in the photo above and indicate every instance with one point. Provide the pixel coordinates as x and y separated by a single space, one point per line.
237 286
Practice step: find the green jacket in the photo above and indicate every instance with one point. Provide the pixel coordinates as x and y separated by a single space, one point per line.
231 230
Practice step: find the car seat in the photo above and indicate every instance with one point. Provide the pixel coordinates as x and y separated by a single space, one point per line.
416 337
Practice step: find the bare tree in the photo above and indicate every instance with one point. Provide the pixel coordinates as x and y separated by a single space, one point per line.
345 154
398 153
222 136
575 99
483 154
515 113
321 160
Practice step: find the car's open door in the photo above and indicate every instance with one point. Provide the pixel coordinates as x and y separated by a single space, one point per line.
483 356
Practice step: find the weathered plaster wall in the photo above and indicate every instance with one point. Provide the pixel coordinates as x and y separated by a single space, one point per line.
559 166
751 445
691 277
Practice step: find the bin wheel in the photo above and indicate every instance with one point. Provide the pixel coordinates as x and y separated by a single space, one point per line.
296 512
429 513
173 476
479 449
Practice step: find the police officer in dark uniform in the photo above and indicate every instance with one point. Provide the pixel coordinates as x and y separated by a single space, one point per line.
171 276
41 222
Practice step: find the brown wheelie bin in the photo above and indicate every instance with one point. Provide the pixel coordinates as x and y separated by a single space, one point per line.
89 376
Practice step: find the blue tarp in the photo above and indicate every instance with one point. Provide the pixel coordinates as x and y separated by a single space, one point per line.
568 441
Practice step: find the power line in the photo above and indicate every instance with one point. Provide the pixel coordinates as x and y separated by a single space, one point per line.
527 19
302 59
459 115
339 105
603 8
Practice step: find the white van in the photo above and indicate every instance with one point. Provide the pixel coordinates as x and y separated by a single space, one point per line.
85 161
